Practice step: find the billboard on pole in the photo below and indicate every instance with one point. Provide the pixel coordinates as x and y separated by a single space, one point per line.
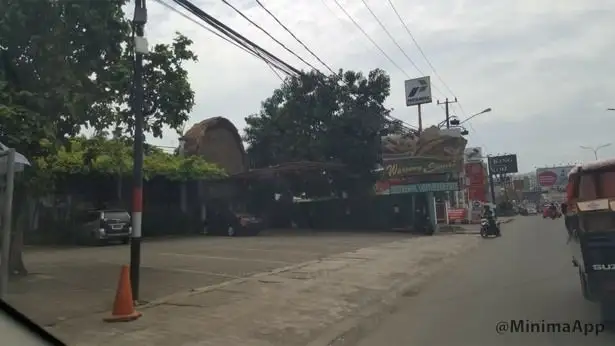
503 164
553 177
418 91
474 154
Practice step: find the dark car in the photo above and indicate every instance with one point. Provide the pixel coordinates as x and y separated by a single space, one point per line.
98 227
223 221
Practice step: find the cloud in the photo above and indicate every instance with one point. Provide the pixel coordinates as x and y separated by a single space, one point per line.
544 67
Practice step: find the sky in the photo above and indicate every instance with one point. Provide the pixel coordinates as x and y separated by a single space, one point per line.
546 68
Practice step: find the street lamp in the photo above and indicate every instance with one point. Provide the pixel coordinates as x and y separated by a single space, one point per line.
595 149
486 110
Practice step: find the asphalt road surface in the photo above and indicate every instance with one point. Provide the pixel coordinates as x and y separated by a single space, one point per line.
525 275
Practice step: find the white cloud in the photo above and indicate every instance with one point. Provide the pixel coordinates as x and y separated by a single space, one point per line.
545 67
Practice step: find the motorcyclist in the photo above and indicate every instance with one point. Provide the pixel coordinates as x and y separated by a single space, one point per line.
564 208
552 210
488 214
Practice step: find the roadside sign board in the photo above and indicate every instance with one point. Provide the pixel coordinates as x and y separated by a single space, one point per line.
418 91
503 164
474 154
553 177
424 187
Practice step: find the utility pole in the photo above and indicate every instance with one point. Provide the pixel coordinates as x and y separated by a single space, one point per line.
448 118
7 222
139 20
491 184
448 126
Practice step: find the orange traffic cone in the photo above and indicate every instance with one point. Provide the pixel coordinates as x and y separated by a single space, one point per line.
123 307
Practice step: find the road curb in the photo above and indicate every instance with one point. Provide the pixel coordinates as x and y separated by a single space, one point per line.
350 331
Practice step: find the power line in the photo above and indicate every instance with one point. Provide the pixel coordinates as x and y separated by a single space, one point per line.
293 35
253 53
397 44
421 49
240 39
272 60
268 34
370 39
391 37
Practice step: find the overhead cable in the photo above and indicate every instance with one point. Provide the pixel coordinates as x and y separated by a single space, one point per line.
268 34
240 39
370 38
294 36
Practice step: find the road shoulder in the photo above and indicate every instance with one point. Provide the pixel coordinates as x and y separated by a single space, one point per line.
311 303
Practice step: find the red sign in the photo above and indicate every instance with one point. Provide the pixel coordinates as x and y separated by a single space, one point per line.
457 214
477 193
475 174
547 178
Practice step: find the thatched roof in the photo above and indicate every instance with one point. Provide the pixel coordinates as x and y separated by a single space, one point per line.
218 141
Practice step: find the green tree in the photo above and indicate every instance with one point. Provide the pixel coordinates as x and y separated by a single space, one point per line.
67 65
322 118
100 155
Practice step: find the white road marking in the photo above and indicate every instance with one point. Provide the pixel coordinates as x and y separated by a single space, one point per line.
224 258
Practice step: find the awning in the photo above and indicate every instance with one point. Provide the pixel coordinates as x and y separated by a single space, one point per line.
20 160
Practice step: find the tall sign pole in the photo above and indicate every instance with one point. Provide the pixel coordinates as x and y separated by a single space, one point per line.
418 107
418 92
139 20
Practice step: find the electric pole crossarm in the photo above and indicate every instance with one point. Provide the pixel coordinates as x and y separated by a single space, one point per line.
446 109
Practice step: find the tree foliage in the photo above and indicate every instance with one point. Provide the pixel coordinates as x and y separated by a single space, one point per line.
113 157
66 66
318 118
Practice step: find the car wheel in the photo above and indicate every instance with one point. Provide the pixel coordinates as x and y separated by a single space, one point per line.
126 240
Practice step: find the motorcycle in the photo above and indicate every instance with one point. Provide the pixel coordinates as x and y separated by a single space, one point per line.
486 229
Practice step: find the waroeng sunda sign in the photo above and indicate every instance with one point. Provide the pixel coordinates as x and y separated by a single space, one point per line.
418 165
431 152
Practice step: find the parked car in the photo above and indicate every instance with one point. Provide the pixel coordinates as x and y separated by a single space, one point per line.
224 222
101 226
532 211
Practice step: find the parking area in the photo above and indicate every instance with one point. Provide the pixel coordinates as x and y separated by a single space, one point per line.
75 282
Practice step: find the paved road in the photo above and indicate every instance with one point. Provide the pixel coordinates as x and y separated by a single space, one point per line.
526 275
76 282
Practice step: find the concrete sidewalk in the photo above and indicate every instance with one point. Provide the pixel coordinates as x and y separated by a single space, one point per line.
311 303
